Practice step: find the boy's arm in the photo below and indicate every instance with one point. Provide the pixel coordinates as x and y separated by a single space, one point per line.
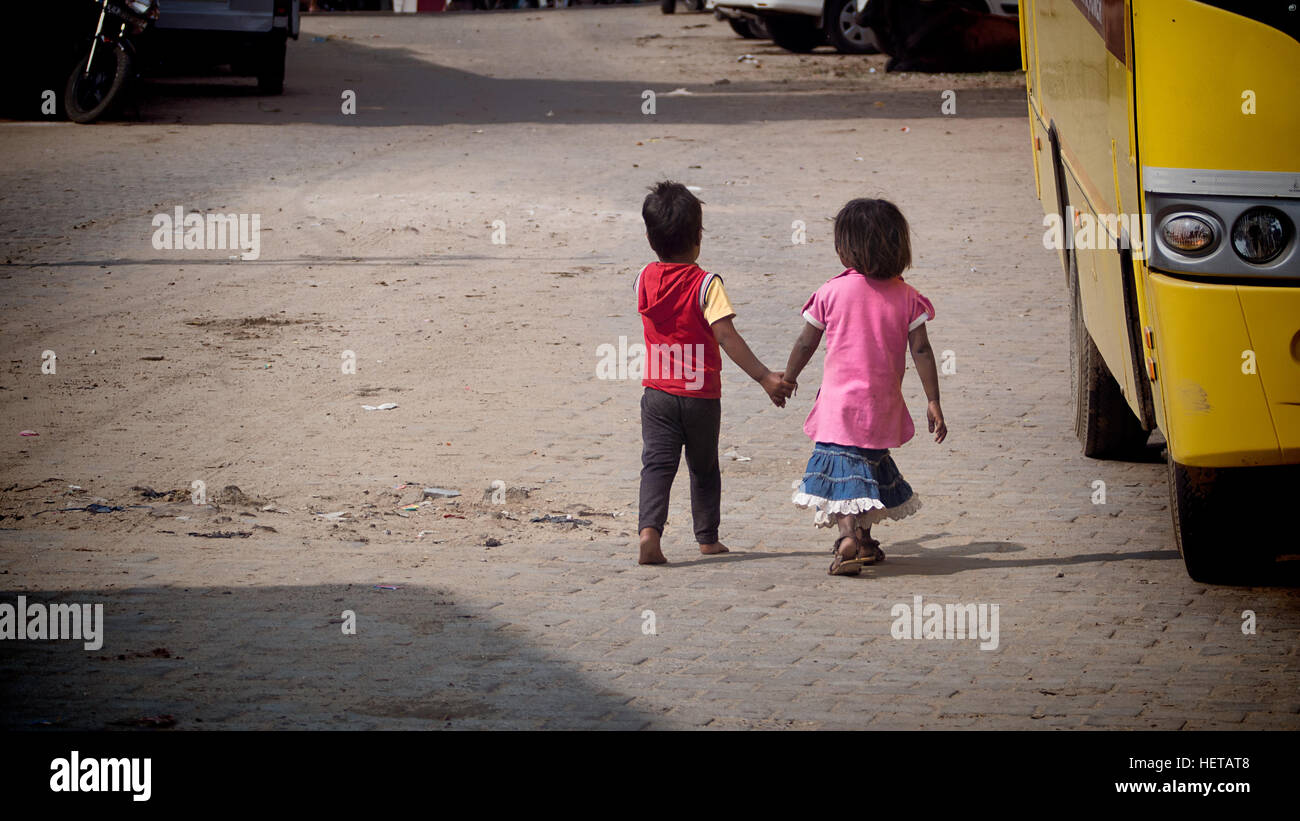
730 340
804 347
923 356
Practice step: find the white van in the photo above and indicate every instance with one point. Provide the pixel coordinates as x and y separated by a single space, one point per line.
249 35
803 25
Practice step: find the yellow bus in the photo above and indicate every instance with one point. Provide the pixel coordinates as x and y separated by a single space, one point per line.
1166 145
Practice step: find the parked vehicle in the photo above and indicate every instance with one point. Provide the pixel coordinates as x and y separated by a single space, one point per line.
248 35
745 23
803 25
943 35
95 83
1180 251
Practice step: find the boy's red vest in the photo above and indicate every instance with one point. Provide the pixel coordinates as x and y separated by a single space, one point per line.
682 357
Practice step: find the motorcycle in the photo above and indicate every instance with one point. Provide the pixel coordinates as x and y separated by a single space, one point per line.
98 78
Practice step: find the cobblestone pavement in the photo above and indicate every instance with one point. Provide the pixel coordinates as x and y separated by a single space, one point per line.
1098 624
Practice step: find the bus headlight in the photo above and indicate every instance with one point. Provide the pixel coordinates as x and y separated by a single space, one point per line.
1260 234
1188 234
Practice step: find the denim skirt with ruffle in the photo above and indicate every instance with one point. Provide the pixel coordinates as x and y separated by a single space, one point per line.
859 481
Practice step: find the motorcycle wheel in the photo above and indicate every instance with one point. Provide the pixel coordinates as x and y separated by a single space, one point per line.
89 94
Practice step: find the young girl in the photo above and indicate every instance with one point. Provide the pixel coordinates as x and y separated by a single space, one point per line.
870 316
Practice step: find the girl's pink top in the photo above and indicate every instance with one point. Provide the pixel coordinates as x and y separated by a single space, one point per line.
866 323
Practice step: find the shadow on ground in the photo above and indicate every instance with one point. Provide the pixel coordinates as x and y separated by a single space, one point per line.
277 658
396 86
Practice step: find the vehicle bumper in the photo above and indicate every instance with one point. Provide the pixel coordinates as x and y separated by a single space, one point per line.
811 8
1227 361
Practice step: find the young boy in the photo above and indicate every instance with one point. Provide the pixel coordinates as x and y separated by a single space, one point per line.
687 317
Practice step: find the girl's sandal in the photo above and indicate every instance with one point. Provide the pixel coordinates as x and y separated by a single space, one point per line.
841 566
871 552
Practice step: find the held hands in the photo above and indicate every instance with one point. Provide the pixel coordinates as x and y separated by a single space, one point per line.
778 390
934 414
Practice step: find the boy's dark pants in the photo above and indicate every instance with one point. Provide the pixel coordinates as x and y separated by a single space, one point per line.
669 422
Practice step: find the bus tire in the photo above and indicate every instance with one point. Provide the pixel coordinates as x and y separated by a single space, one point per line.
1217 533
1190 498
1103 422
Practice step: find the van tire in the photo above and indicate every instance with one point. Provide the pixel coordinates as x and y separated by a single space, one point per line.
836 13
741 26
1103 422
270 63
795 32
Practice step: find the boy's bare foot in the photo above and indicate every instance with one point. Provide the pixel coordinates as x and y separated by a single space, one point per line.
711 549
650 550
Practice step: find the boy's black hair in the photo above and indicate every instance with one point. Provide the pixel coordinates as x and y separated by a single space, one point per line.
673 218
873 237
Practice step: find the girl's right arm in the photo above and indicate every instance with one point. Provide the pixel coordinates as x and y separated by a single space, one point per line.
804 347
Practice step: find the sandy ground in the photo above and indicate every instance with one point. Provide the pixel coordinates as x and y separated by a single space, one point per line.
377 239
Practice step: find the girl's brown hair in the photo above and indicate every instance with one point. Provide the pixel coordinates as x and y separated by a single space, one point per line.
873 237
